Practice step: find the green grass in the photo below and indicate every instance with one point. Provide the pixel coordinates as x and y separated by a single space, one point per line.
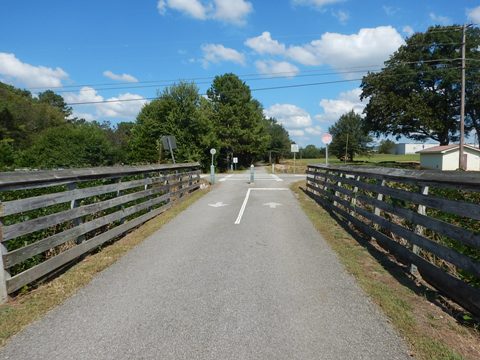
374 159
33 305
411 314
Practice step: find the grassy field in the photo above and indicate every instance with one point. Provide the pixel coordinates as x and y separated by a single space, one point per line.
410 161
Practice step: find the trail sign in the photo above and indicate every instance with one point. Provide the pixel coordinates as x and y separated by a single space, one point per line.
235 160
213 151
294 148
327 138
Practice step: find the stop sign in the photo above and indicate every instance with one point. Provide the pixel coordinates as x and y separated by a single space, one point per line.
326 138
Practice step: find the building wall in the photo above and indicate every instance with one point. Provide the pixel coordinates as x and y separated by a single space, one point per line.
450 160
406 148
473 160
431 161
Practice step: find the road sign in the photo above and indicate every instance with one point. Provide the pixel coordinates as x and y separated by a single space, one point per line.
294 148
235 160
213 151
327 138
169 142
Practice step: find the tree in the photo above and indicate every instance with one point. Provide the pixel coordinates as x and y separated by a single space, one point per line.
238 121
70 145
55 100
311 152
417 94
349 136
280 141
386 147
179 111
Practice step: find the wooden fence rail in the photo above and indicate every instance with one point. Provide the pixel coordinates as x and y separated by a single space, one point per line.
50 218
428 219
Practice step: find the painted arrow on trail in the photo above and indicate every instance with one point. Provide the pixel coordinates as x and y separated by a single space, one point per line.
218 204
272 205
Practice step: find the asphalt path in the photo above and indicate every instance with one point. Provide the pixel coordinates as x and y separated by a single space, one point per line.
220 283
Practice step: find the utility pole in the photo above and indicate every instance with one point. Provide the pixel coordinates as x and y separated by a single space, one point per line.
346 150
461 160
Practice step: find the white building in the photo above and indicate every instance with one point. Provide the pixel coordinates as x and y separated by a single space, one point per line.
408 148
446 157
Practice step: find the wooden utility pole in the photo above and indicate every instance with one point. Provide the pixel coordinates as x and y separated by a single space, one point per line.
461 160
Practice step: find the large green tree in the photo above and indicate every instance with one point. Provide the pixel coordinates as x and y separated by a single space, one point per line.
179 111
279 145
349 136
417 94
238 121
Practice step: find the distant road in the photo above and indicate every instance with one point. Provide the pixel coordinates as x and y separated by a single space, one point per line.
232 277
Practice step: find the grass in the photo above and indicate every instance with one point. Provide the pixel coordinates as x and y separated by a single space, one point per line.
430 332
28 307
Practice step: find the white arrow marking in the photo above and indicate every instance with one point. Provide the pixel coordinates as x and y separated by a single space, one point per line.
218 204
272 205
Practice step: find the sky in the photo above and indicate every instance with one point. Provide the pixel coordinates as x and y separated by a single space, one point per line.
301 58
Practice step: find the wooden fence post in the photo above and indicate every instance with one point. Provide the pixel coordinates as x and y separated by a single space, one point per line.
419 229
353 199
3 273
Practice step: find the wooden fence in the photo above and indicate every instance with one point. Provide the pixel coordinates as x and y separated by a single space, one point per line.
50 218
428 219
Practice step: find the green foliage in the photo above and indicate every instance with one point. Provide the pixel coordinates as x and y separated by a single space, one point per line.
417 94
50 98
70 145
238 121
312 152
386 147
279 140
349 136
179 111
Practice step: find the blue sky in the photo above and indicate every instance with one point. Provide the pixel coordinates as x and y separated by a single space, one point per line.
130 50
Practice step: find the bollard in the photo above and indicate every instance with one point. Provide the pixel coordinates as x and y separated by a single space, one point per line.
273 168
212 174
252 174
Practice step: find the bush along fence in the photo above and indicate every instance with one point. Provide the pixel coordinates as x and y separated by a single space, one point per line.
50 218
428 219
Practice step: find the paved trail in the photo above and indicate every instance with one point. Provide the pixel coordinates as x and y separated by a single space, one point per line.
218 283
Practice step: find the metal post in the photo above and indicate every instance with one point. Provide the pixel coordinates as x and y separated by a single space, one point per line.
273 168
326 154
4 275
252 174
212 174
294 162
171 150
346 150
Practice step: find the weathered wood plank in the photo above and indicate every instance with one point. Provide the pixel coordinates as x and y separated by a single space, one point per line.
443 228
443 252
40 270
17 256
456 289
27 227
451 179
460 208
32 179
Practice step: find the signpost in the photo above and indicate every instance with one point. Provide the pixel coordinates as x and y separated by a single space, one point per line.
235 162
294 150
212 167
326 139
169 143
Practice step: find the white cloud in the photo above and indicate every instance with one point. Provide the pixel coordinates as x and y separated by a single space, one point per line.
289 115
296 133
192 8
346 102
216 53
276 68
16 71
408 30
315 130
390 10
473 15
232 11
113 109
319 4
371 46
439 19
229 11
264 44
342 16
119 77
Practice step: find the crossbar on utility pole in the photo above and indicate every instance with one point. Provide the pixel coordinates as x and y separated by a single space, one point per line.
461 160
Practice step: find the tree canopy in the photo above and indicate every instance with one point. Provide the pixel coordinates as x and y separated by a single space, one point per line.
417 94
350 136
